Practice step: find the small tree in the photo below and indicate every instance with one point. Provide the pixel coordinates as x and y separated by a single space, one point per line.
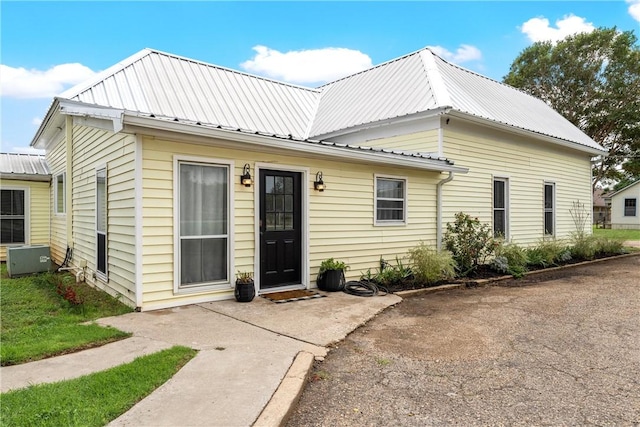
470 242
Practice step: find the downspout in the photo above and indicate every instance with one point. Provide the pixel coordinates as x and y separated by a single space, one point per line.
439 209
69 179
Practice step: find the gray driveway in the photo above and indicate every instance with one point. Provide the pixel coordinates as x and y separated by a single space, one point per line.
555 349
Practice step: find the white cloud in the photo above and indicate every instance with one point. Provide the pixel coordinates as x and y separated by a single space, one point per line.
36 121
538 29
23 83
634 9
307 66
464 53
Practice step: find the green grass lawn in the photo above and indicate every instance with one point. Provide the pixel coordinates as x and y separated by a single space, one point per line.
92 400
617 234
37 323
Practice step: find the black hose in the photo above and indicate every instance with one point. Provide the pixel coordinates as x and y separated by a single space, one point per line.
363 288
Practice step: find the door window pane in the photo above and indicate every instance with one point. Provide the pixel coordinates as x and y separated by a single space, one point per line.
279 202
204 225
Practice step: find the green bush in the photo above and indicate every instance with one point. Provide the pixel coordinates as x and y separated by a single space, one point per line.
584 247
470 242
515 257
548 253
430 265
607 246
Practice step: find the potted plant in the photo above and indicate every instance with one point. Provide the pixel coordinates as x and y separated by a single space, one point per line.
331 275
245 289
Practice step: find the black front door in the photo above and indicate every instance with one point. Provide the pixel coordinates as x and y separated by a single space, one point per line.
280 228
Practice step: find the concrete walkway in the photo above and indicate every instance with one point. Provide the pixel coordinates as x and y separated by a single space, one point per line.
251 356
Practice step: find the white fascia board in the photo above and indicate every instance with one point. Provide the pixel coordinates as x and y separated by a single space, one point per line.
94 116
524 132
392 121
153 125
50 127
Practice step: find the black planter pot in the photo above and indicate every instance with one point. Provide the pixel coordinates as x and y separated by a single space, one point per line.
245 292
331 280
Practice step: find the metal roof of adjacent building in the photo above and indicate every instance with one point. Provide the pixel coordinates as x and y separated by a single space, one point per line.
159 84
24 167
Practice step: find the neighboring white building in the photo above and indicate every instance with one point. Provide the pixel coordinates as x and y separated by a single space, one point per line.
624 207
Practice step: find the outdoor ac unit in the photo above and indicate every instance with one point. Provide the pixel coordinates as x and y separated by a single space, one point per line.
28 259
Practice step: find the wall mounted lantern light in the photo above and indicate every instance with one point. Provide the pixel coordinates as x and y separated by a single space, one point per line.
318 184
245 179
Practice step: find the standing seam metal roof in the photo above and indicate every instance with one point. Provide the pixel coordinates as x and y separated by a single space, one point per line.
23 164
160 84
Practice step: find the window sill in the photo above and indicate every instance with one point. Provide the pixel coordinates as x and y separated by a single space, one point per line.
199 289
390 224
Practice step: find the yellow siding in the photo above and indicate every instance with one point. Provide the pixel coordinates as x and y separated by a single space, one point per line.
56 159
423 142
527 164
93 149
341 218
38 212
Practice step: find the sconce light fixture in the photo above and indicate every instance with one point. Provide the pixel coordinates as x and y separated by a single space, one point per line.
318 184
245 179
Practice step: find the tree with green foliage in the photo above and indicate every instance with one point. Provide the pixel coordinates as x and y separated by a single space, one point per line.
592 79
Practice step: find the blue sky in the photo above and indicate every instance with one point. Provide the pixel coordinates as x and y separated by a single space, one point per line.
47 47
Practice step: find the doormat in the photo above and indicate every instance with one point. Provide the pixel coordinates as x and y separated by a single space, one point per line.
295 295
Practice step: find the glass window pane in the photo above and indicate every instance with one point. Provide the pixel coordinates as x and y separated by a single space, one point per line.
390 188
203 260
270 203
288 221
548 222
203 200
630 207
101 200
548 196
288 185
498 194
390 210
271 221
60 194
269 184
12 202
288 203
499 223
279 185
12 231
279 203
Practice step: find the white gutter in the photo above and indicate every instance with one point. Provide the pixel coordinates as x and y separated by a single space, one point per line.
439 199
154 126
532 134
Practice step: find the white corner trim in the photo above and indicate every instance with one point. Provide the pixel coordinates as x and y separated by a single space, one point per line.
138 203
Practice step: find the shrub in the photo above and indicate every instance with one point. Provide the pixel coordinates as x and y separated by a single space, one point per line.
430 265
583 247
470 242
547 253
500 264
607 246
515 257
389 275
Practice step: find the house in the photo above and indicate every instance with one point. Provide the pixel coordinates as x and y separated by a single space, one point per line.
624 207
180 173
25 205
601 208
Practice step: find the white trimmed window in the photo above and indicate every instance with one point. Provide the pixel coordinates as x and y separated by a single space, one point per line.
13 216
549 208
101 223
630 207
500 207
390 200
59 193
203 207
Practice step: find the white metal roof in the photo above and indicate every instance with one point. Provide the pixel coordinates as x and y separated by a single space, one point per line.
162 84
155 83
421 82
24 166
